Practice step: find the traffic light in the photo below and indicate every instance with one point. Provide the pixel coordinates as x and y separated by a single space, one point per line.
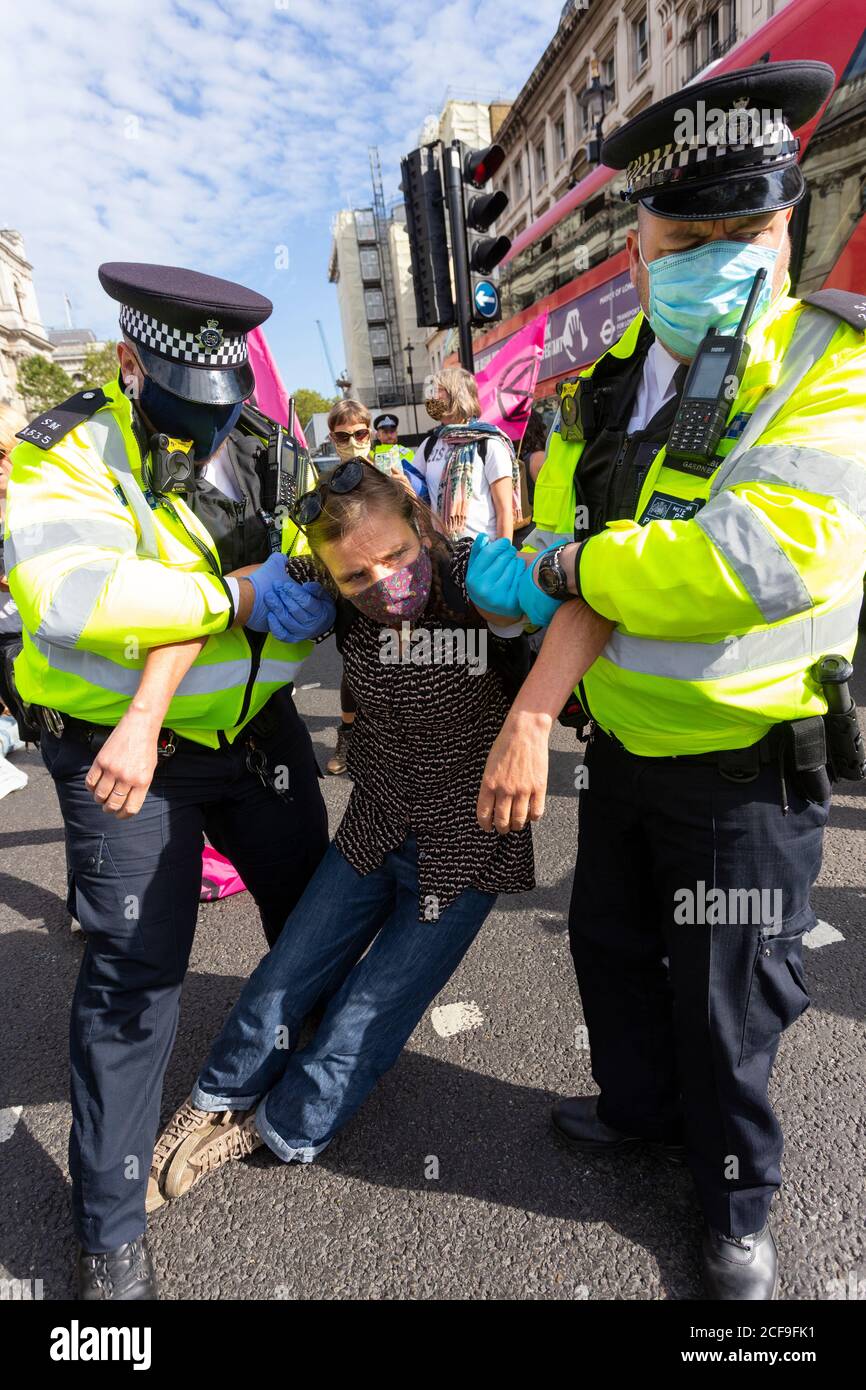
476 254
428 241
482 209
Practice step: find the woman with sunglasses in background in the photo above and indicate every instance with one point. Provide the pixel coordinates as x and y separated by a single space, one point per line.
350 432
410 876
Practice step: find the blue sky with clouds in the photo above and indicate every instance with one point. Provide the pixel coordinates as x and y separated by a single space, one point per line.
213 135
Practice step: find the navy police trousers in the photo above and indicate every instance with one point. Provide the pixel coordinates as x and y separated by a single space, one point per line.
690 900
134 887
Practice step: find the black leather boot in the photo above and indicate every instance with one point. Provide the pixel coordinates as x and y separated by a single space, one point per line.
123 1274
577 1125
740 1267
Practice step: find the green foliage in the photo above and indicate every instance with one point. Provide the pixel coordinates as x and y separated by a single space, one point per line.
310 403
100 365
42 383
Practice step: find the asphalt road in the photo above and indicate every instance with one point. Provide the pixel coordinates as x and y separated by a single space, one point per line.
510 1214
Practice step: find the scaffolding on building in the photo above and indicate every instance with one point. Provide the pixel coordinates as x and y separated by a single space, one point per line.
372 233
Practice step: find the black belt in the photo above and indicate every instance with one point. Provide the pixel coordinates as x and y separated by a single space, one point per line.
94 735
801 742
263 726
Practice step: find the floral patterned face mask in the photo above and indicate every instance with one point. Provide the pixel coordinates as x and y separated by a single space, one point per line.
400 596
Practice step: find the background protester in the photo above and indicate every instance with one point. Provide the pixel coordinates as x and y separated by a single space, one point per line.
349 427
469 465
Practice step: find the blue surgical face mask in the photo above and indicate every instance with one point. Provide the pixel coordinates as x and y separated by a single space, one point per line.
206 425
692 291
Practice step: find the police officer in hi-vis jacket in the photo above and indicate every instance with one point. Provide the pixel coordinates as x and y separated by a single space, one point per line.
128 507
703 506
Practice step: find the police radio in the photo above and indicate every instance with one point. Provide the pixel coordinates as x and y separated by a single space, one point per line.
711 385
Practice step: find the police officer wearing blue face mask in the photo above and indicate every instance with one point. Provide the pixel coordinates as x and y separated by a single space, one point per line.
714 524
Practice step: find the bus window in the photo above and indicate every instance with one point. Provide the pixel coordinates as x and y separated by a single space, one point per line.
835 168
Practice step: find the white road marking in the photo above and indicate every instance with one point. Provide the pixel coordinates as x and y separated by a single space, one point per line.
822 935
8 1120
313 685
449 1019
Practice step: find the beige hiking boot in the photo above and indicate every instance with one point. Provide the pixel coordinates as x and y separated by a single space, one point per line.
233 1136
184 1122
154 1199
336 764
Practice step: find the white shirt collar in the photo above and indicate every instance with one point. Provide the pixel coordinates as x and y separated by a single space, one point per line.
662 366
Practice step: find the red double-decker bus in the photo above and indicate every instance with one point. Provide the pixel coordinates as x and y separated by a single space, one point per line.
572 261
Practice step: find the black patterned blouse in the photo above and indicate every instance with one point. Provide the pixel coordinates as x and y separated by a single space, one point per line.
417 752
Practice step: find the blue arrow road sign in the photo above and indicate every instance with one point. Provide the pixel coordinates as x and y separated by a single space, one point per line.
486 298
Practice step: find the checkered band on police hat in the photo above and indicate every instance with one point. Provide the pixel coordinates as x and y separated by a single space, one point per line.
209 347
755 146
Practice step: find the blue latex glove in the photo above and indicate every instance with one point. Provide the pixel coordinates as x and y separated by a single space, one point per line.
538 606
272 572
494 575
297 612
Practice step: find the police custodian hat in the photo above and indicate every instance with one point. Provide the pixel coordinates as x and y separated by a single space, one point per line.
385 422
188 329
724 147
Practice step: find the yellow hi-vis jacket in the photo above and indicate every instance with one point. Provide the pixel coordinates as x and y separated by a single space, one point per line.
720 615
102 570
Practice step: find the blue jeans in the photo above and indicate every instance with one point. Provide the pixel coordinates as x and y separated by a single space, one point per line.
304 1098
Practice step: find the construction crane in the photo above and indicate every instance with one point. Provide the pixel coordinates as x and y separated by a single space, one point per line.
341 382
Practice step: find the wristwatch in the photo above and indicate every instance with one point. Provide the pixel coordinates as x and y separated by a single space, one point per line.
550 575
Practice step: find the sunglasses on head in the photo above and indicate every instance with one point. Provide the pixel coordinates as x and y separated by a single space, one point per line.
343 436
344 478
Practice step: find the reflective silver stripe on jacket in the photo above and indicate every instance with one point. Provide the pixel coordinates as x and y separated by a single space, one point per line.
74 600
540 540
705 661
755 556
42 537
737 529
106 436
106 674
808 470
278 672
812 333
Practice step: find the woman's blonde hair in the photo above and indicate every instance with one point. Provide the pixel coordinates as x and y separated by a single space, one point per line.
11 421
460 390
345 411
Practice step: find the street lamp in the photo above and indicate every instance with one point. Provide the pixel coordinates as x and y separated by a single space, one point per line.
592 101
408 349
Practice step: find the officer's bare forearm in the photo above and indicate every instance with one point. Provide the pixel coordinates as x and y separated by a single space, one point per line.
573 640
164 669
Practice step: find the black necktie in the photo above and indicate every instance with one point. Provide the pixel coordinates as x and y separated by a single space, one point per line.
680 375
664 416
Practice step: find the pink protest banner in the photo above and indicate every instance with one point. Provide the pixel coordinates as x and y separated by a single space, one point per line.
272 398
506 384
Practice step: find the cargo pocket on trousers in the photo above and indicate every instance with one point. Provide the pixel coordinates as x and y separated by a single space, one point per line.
97 894
777 992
